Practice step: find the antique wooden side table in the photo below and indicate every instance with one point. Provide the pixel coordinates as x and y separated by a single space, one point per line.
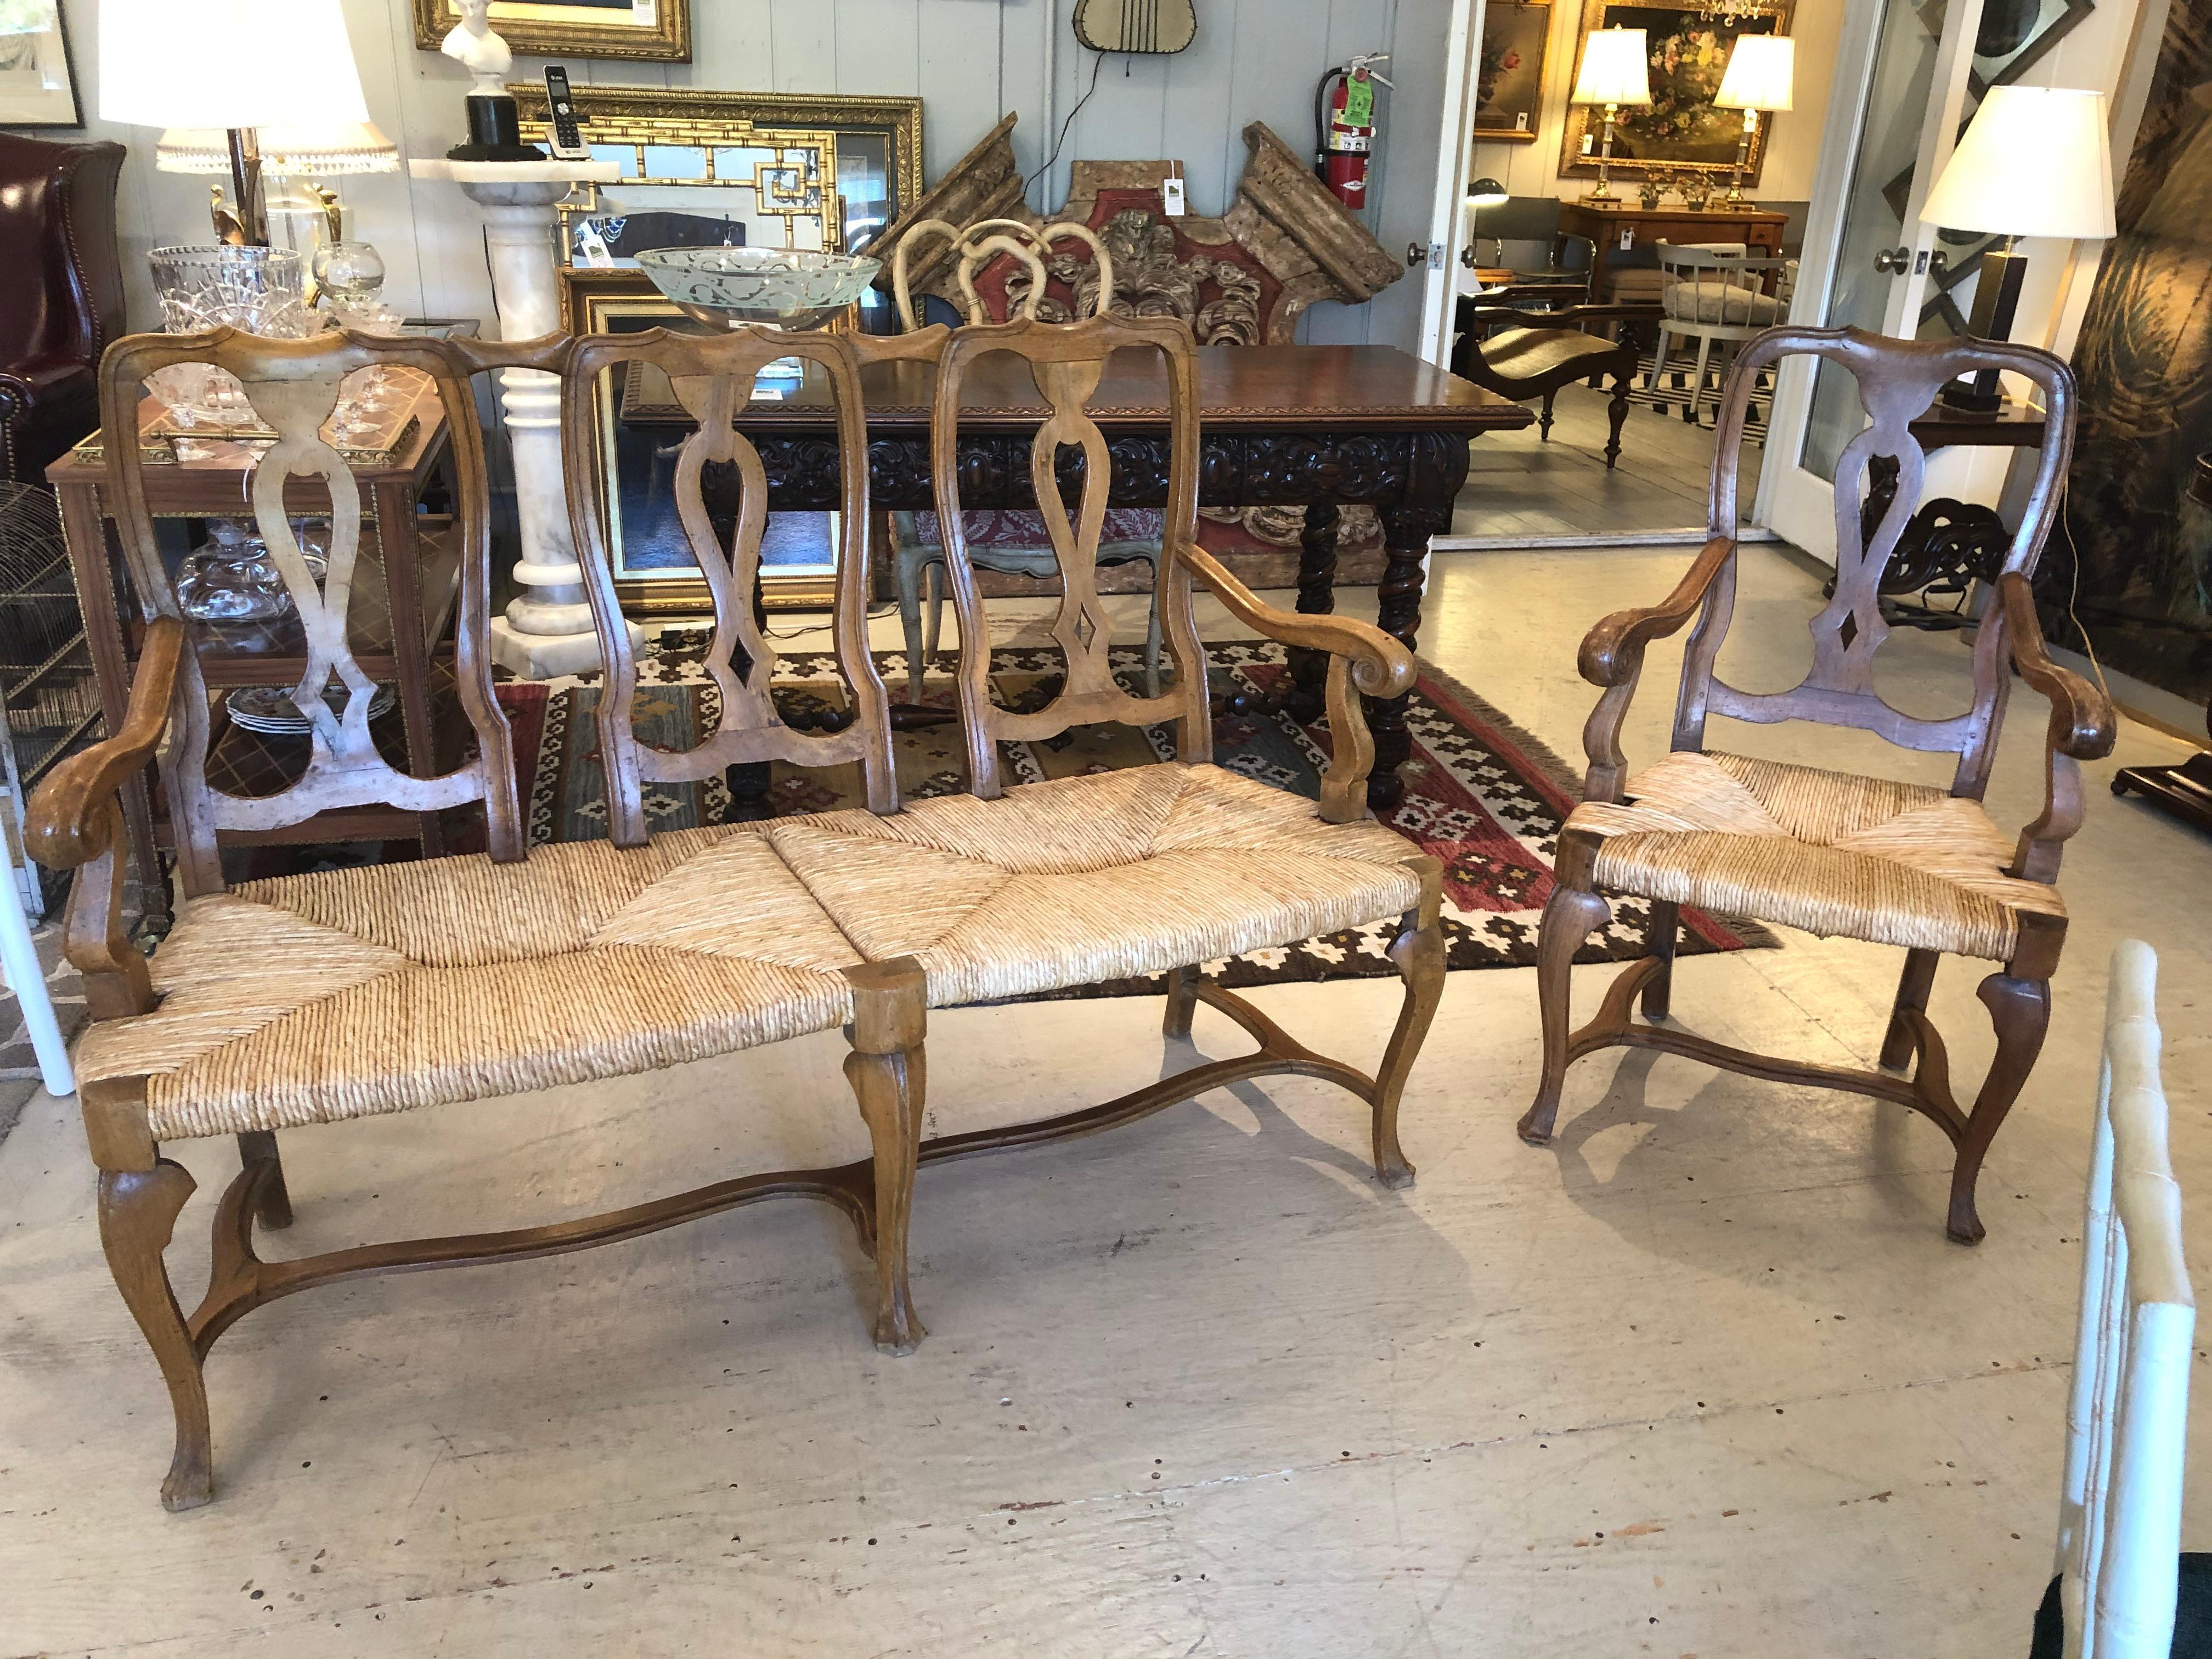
1758 229
406 583
1318 427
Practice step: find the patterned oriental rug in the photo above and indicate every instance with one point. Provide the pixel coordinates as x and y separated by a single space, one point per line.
1481 794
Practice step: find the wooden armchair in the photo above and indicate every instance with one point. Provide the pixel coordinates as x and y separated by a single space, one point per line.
1831 853
1522 355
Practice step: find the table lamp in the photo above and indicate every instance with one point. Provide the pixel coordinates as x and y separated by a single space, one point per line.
2034 161
238 66
1760 67
331 151
1616 69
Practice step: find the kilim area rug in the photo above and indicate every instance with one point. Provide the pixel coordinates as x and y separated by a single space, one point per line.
1481 795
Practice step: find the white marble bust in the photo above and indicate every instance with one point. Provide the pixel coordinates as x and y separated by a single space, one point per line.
474 45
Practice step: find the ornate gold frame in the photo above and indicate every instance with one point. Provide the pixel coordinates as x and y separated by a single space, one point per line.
525 26
1582 119
678 115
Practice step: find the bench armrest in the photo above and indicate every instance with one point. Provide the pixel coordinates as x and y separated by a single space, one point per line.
1362 659
75 821
1612 656
2083 727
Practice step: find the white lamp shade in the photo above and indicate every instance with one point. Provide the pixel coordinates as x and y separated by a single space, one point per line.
323 152
2034 161
228 63
1616 68
1761 69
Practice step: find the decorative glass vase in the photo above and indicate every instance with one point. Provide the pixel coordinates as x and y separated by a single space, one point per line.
232 578
351 278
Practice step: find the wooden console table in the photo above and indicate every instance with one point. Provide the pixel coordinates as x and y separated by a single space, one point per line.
1758 229
406 584
1318 427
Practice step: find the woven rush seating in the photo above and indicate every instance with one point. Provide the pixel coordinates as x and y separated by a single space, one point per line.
1863 857
284 1004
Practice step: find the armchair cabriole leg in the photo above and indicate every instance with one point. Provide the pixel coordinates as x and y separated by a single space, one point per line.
1182 1001
1419 951
1572 915
257 1147
2021 1010
1659 943
137 1214
890 1011
1912 988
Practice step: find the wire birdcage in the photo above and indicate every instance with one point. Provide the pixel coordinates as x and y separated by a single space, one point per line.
45 670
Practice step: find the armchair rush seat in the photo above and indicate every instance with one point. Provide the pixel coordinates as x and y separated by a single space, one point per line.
312 1000
1834 853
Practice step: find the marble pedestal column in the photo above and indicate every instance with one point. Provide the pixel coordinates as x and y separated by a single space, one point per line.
547 629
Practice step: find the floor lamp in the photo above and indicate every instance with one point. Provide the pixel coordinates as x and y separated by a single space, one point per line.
2034 161
236 66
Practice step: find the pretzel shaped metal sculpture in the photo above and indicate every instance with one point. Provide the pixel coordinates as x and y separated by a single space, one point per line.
713 376
984 241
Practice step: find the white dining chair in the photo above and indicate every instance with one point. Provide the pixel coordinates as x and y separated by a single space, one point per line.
2120 1568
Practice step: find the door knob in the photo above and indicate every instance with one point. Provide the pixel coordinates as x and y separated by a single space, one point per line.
1466 256
1415 255
1893 261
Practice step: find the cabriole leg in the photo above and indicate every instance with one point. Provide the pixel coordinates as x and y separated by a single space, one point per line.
253 1147
1912 988
1419 950
885 1068
1660 941
1182 1001
1616 414
137 1214
2021 1010
1573 915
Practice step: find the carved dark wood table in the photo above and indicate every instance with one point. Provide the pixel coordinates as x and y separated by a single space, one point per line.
1318 427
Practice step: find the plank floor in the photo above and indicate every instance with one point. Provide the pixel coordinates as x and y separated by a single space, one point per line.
1517 484
1705 1379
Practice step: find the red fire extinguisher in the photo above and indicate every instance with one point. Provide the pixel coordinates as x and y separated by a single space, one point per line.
1346 120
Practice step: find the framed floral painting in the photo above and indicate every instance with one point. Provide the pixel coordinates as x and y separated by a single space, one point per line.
1509 87
1679 130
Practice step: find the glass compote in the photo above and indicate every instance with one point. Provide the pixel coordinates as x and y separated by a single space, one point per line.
774 287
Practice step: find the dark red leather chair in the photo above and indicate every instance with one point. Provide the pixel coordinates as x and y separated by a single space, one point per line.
61 295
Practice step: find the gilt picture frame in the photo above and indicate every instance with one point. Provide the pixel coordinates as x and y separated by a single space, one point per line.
38 76
1680 131
1509 88
652 30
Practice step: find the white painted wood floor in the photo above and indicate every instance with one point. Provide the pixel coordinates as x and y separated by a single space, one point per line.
1705 1379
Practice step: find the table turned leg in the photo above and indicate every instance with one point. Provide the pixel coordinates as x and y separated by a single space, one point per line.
1317 597
1406 532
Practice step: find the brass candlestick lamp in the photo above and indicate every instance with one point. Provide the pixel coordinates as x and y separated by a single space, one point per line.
1616 69
1761 69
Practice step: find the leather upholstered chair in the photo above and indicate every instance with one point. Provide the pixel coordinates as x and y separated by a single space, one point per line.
1838 854
61 295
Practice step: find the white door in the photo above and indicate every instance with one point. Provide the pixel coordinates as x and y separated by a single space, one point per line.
1900 99
1448 207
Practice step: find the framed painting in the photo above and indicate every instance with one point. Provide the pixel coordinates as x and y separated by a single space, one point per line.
642 429
657 29
38 83
1679 130
1509 86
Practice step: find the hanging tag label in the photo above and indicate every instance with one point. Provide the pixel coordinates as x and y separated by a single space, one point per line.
1171 197
1360 101
1627 238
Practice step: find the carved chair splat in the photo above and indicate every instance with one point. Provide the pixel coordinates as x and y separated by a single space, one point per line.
1832 853
713 376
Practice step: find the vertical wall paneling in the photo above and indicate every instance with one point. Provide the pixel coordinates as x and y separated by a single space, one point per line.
970 60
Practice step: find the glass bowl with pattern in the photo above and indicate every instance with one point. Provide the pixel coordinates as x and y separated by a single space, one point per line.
777 288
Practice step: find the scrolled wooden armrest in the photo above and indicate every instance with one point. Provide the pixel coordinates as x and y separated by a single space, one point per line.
1612 656
1361 658
1500 308
75 821
1380 666
2082 723
66 823
1613 652
2083 727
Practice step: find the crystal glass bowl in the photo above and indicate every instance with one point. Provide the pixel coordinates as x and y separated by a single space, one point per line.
782 287
260 291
